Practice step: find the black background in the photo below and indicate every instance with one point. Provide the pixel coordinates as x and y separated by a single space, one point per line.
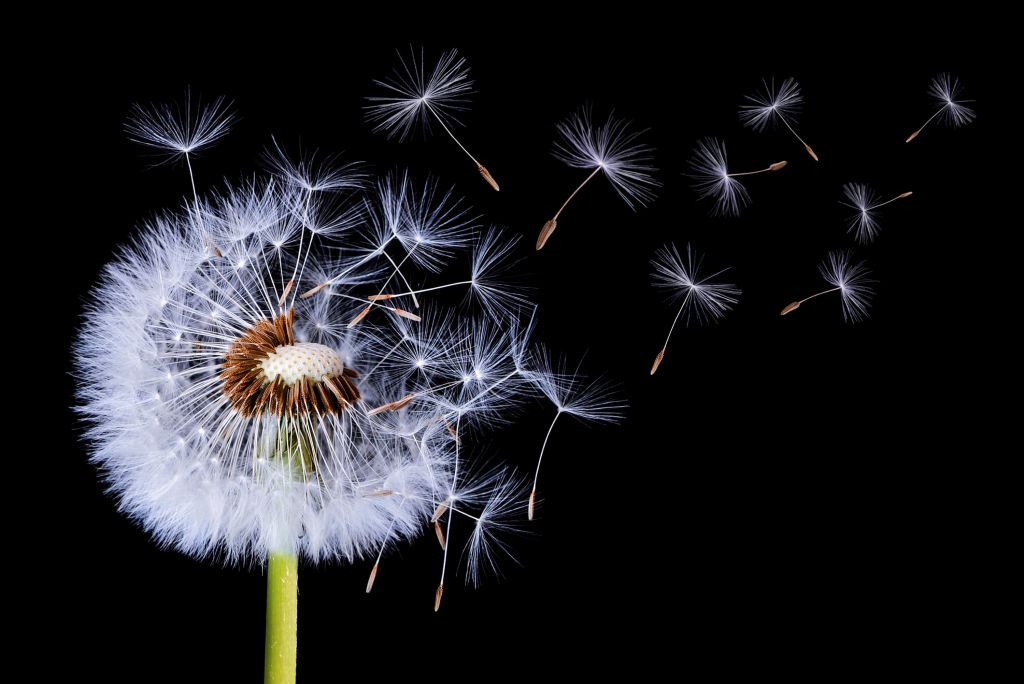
769 497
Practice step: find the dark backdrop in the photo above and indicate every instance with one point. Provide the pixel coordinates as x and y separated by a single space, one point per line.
768 499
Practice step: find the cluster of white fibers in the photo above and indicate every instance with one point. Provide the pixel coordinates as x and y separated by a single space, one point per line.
229 473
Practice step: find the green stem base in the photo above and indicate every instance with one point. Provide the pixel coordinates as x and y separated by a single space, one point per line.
282 618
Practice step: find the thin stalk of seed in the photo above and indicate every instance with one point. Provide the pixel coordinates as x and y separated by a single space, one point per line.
806 146
536 474
771 167
661 354
793 306
479 167
930 119
549 227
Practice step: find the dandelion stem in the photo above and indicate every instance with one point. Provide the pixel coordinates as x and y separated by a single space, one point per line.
566 203
282 618
536 474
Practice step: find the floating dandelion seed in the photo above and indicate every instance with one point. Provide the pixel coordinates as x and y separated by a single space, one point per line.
179 131
613 148
773 104
945 90
417 96
865 201
704 299
236 414
709 169
851 280
572 395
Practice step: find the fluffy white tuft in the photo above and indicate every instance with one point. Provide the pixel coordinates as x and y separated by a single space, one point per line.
206 479
945 88
853 280
862 200
413 91
180 129
709 168
615 149
771 104
704 297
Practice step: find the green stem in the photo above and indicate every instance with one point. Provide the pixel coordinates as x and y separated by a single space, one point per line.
282 618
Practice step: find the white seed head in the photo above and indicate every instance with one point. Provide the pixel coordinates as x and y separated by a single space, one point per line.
615 148
228 428
293 362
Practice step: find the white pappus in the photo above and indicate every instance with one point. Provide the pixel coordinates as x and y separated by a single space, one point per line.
709 169
865 202
952 110
773 104
417 96
704 297
613 147
252 389
851 279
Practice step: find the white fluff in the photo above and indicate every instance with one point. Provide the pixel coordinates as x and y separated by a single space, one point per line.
208 481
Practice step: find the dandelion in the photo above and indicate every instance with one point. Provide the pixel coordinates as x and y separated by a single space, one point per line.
180 130
851 280
416 95
571 394
236 414
865 201
613 148
709 167
704 298
952 111
770 105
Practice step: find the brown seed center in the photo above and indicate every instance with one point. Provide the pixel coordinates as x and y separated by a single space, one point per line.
267 371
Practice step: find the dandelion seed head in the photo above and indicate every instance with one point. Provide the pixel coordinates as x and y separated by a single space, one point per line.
704 296
771 103
863 223
230 403
180 129
945 88
853 279
709 170
415 93
615 148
